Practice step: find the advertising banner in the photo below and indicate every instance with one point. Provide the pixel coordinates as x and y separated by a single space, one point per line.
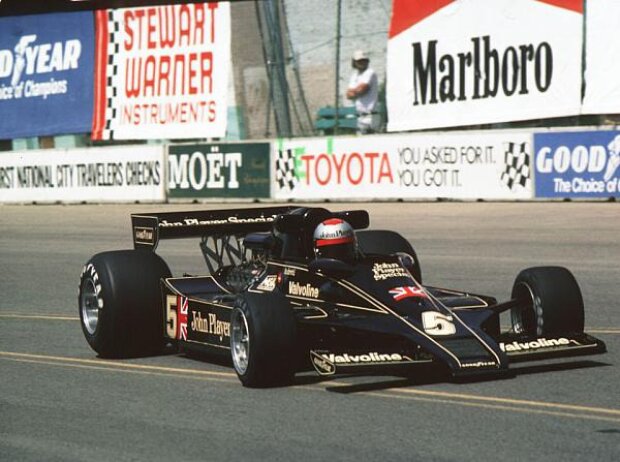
577 164
602 58
119 174
46 74
235 170
162 72
459 166
466 62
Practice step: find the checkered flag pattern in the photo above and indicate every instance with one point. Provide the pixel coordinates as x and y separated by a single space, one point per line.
112 71
517 171
285 169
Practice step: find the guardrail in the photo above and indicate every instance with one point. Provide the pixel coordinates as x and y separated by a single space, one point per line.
488 165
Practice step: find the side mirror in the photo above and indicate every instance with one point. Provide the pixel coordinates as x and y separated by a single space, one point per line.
331 267
359 219
259 241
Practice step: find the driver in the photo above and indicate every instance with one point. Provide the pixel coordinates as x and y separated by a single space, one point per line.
335 238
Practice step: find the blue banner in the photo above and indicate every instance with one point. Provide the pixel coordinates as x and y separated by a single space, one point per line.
46 74
577 164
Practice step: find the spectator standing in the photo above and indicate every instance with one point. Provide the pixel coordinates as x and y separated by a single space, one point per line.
364 89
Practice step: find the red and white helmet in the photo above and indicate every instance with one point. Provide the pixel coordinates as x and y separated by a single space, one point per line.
335 238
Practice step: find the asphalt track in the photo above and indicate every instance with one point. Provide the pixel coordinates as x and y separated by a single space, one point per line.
58 401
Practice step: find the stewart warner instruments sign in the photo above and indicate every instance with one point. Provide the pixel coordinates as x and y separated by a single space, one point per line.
465 62
162 72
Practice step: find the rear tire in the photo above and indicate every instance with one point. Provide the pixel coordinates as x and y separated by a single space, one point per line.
552 302
120 303
262 341
389 242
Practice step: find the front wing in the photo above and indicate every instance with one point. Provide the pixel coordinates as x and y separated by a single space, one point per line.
478 353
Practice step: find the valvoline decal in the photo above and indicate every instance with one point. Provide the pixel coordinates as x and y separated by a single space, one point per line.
577 164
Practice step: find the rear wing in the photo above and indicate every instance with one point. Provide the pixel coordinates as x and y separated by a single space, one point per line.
149 229
223 233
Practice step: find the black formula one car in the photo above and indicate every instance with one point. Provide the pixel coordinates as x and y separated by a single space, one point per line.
277 306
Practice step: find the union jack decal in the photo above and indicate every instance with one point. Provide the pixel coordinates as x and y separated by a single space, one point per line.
400 293
182 307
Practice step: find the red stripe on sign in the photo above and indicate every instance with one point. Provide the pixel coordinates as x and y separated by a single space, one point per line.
406 13
101 57
341 240
573 5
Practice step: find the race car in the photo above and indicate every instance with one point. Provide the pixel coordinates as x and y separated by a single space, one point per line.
289 289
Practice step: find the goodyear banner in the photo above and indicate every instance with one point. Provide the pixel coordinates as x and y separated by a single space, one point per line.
113 174
602 94
46 72
466 62
162 72
577 164
235 170
474 165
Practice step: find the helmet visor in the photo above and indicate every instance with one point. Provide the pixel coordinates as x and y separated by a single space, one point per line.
343 251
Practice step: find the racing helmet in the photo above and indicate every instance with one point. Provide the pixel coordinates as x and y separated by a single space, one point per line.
335 238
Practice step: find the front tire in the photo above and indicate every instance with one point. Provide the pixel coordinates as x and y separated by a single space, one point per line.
262 340
389 242
551 302
120 303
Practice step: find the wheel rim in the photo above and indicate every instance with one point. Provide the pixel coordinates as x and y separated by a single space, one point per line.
89 306
240 341
527 319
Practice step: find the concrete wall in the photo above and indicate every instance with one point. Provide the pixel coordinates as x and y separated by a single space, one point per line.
313 32
312 26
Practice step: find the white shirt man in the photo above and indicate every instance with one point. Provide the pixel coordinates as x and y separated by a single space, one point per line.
364 89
